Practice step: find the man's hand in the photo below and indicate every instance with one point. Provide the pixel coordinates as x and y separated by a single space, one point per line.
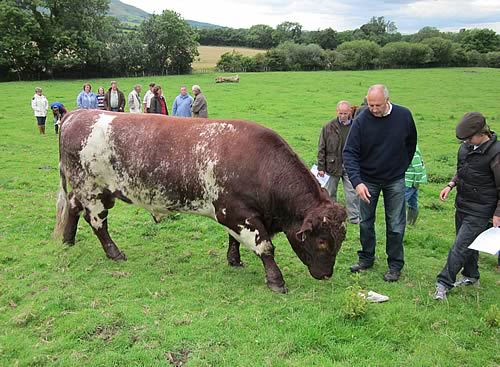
321 173
443 195
363 193
496 221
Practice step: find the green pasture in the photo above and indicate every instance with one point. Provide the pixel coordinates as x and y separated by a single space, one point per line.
176 302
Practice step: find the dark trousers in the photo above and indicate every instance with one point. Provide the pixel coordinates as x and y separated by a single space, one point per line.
467 227
395 222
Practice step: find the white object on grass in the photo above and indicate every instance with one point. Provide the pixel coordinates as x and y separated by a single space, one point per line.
488 241
374 297
322 180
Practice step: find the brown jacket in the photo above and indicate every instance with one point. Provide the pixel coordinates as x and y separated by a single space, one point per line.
121 100
199 107
330 149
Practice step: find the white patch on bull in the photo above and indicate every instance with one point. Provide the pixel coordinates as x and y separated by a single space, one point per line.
224 211
213 129
248 238
95 157
100 173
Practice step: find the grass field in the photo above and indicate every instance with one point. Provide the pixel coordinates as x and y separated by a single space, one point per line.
176 301
209 55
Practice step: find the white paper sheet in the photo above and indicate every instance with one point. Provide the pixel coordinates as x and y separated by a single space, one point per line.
322 180
488 241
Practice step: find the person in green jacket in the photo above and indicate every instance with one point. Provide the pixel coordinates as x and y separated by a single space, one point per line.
414 176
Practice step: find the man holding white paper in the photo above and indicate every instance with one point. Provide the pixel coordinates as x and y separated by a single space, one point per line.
477 202
330 161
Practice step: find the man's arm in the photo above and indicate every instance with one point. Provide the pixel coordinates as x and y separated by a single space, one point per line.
411 140
322 151
352 153
122 100
495 168
174 107
196 105
130 100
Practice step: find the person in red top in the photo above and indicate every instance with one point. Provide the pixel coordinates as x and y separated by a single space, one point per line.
158 103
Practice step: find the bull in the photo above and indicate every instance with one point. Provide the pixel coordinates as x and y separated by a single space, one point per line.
238 173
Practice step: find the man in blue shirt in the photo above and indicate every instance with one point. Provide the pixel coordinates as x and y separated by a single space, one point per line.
379 149
182 104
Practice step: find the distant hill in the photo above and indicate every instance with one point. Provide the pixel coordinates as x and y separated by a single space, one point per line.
134 16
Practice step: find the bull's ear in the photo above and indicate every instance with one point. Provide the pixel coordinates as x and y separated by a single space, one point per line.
304 231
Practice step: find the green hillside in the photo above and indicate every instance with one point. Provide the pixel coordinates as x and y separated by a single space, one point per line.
134 16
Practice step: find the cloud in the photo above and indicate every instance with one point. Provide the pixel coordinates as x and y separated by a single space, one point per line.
409 15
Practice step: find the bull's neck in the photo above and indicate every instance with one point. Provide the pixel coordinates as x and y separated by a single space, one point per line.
293 201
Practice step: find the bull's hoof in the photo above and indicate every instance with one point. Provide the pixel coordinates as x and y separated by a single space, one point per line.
236 263
69 242
120 257
278 288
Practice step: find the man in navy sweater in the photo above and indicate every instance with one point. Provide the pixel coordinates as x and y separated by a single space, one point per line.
379 149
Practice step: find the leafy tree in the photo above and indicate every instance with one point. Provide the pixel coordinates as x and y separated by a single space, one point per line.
475 58
405 54
482 40
127 53
361 54
441 49
276 59
303 57
326 38
288 31
378 30
17 51
458 55
69 31
426 32
260 36
230 61
493 59
170 43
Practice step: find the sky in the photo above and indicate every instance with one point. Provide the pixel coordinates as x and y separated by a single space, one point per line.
409 15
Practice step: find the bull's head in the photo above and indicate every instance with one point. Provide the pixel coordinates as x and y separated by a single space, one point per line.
319 238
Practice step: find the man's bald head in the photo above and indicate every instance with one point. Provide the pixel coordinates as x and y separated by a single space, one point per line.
343 111
378 100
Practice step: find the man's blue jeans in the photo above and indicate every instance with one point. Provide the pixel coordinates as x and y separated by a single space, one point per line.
411 197
395 222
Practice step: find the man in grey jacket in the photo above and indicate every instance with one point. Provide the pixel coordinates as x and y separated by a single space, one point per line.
331 144
199 107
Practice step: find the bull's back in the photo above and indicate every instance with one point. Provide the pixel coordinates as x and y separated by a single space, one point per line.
160 161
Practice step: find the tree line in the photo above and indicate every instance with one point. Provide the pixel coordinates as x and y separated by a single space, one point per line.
76 39
68 39
376 44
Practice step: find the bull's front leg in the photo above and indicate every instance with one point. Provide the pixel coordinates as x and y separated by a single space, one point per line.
274 278
251 233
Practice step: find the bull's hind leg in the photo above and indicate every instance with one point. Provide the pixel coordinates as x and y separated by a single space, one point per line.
74 211
96 214
233 253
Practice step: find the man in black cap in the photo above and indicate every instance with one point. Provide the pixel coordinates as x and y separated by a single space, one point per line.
477 201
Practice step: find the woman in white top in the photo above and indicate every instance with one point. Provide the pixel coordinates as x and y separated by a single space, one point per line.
40 105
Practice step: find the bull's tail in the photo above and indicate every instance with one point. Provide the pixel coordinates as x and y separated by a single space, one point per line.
62 206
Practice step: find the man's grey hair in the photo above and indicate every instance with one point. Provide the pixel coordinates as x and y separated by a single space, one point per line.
38 89
343 102
379 87
137 86
196 87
